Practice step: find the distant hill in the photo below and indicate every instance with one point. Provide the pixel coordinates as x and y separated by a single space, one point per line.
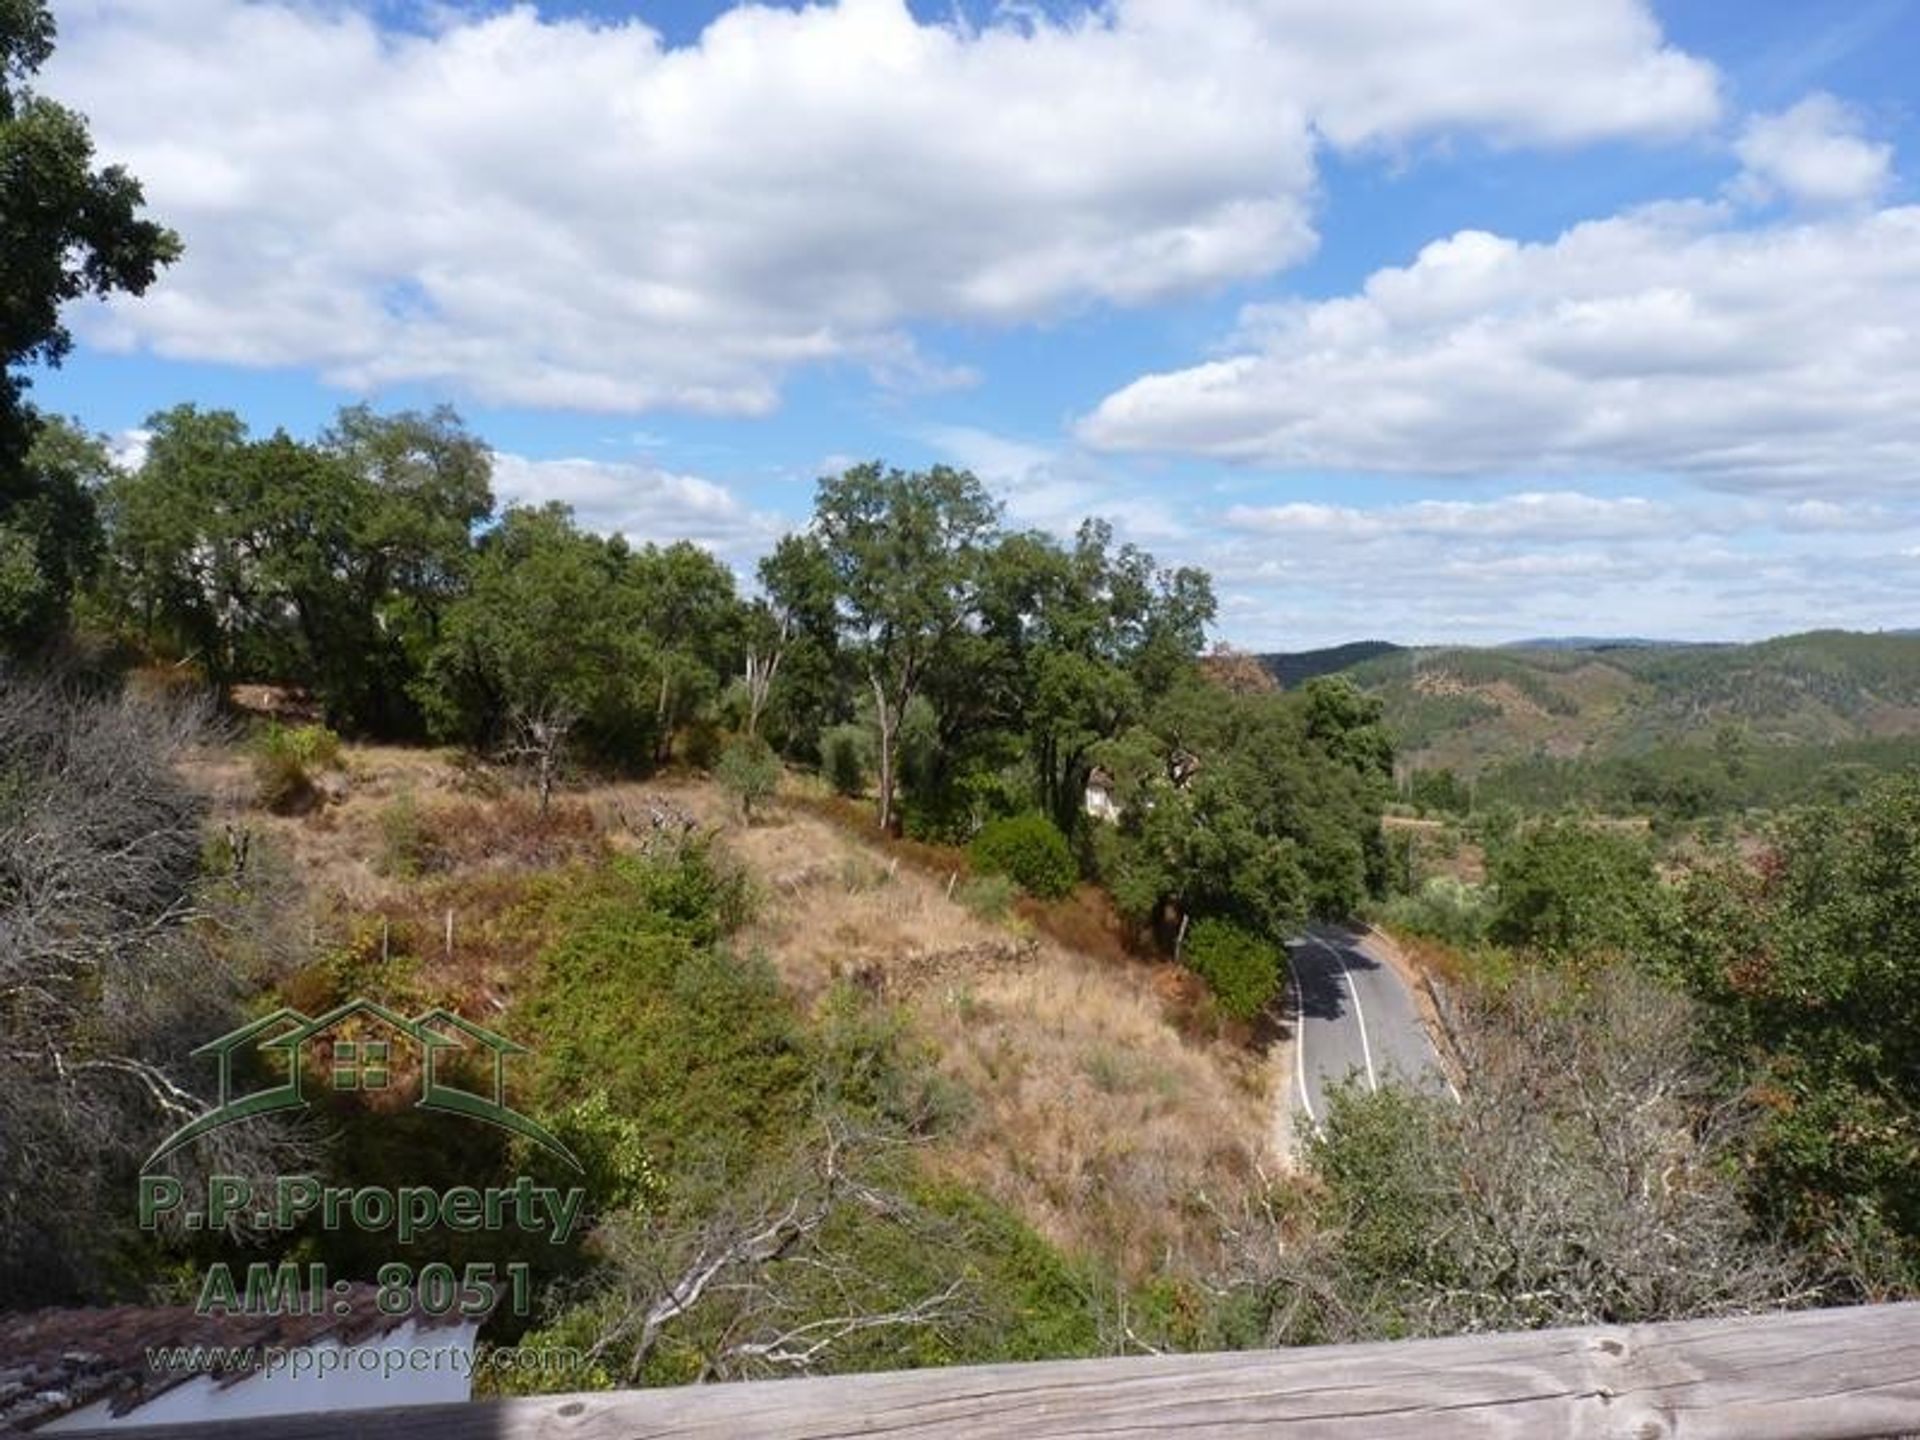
1596 642
1471 709
1300 666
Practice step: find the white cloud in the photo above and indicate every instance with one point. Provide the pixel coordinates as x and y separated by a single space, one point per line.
643 503
1814 154
1721 572
1664 340
553 212
128 449
1051 489
1560 516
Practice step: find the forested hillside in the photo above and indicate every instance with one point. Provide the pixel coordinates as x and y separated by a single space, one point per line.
1690 727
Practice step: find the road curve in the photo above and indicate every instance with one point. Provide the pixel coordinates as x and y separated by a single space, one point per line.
1354 1020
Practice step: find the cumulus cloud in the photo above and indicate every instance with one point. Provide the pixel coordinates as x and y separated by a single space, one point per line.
1814 154
1054 489
1546 517
1665 340
643 503
568 213
1720 567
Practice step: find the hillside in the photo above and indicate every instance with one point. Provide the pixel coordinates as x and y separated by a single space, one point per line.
1473 709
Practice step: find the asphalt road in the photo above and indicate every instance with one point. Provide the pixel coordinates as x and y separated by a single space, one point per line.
1355 1020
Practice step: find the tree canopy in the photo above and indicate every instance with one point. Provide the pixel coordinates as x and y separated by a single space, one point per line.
67 229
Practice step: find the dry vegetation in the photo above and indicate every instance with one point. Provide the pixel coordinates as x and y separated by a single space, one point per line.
1107 1107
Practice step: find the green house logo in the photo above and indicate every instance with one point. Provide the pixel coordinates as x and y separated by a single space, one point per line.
368 1061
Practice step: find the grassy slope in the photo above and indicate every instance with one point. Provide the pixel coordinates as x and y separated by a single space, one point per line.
1095 1116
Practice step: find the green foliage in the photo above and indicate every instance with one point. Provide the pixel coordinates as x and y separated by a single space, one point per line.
1444 908
1280 821
286 759
1441 790
750 772
50 537
989 897
327 564
872 1067
648 633
844 758
696 1047
1029 849
1572 890
1805 964
1241 968
406 850
72 231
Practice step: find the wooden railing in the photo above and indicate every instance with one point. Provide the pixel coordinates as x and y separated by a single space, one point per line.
1807 1375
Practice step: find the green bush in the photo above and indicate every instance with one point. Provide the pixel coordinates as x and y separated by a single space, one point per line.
843 758
1241 969
285 759
1571 890
988 897
1030 849
749 771
406 850
1444 908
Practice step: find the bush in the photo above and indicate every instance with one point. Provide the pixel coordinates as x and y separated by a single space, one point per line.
1241 969
749 771
987 897
843 759
405 850
1445 908
1568 890
285 759
1030 849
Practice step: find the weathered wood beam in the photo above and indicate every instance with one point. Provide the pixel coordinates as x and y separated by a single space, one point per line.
1807 1375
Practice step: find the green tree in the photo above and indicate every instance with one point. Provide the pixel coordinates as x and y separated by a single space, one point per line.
906 551
684 601
750 772
545 642
801 622
67 230
1233 805
50 539
179 545
1573 890
1805 962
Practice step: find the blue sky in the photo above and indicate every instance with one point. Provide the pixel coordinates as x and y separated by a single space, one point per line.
1427 319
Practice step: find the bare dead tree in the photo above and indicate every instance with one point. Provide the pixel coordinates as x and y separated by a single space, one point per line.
540 740
763 668
108 971
763 1283
1587 1177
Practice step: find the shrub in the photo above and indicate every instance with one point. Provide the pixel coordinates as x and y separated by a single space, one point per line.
843 758
285 758
1030 849
1444 908
749 771
405 850
1241 969
988 897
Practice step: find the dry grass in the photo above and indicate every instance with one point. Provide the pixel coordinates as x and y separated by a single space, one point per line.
1094 1116
1105 1110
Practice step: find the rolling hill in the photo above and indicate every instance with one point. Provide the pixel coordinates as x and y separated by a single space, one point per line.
1473 709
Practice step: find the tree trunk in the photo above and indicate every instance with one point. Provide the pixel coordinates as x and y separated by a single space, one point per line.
663 747
889 723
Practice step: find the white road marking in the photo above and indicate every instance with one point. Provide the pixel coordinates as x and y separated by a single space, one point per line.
1359 1013
1300 1036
